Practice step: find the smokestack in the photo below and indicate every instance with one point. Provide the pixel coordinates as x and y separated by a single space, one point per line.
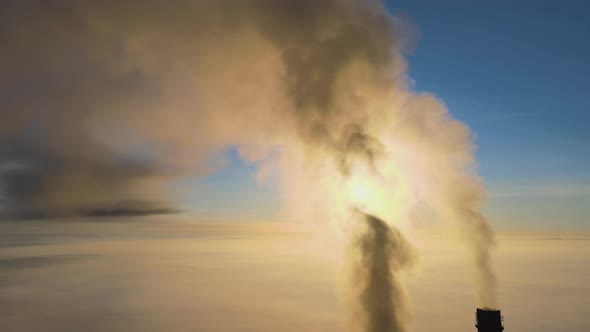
489 320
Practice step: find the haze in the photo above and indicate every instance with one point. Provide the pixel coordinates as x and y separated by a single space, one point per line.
261 277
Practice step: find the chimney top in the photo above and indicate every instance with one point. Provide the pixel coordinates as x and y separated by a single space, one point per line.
489 320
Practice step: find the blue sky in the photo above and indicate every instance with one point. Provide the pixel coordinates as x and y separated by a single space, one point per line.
516 72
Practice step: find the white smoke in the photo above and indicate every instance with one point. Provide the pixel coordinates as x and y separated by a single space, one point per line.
105 102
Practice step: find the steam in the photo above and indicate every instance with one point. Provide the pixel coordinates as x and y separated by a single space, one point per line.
104 103
384 253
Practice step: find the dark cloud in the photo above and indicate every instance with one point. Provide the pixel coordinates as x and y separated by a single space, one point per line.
35 262
39 182
127 209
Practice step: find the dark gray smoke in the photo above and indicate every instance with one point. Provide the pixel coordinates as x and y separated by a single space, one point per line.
384 253
319 40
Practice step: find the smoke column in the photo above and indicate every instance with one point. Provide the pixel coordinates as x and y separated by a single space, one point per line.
105 103
383 254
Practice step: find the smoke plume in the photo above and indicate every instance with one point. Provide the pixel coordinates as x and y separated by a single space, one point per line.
104 103
384 253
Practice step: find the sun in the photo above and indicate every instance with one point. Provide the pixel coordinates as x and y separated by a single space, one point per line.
362 193
359 191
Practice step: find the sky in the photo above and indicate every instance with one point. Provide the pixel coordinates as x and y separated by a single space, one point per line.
516 72
149 151
103 107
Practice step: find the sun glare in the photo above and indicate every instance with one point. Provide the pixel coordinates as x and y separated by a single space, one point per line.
361 193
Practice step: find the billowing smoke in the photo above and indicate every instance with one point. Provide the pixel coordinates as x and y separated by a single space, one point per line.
383 254
119 98
104 103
